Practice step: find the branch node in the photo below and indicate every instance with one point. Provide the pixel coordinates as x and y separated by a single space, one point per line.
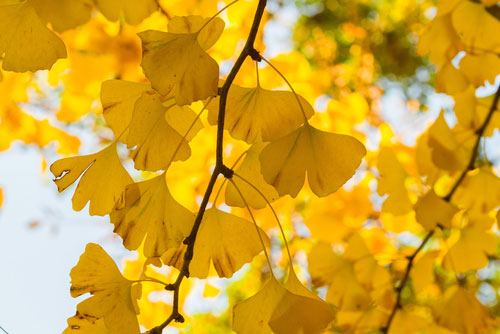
255 55
220 90
170 287
179 318
227 172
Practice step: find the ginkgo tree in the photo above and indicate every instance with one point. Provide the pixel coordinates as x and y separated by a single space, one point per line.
233 168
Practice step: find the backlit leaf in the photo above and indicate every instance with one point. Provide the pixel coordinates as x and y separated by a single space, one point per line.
225 240
329 159
102 182
25 42
259 114
114 298
177 63
148 210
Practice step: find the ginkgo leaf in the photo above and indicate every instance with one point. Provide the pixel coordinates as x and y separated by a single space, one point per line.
439 40
471 250
85 324
63 15
392 182
192 24
474 25
148 210
25 42
300 311
250 171
450 80
329 159
431 211
259 114
177 63
479 192
132 10
118 98
422 273
227 241
102 183
460 311
447 152
156 142
253 314
114 298
480 68
282 310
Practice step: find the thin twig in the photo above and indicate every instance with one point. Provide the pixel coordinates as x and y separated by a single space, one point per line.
219 168
470 166
3 330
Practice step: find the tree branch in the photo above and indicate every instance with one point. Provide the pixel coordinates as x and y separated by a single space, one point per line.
220 168
470 166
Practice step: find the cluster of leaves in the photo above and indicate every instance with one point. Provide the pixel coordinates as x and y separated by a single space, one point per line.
443 192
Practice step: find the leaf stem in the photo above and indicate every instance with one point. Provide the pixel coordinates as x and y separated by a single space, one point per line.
218 169
256 226
470 166
289 85
274 213
216 14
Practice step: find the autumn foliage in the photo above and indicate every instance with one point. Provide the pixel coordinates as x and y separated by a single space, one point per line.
215 158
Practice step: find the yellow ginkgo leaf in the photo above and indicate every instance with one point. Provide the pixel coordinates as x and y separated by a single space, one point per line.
439 40
460 311
300 311
259 114
133 11
114 298
474 25
63 15
227 241
253 314
148 210
156 142
392 182
480 68
329 159
431 211
471 250
479 192
177 62
323 263
118 98
250 171
192 24
450 80
422 274
447 152
85 324
102 183
25 42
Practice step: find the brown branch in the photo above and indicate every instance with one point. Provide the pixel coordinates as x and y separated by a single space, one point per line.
219 168
470 166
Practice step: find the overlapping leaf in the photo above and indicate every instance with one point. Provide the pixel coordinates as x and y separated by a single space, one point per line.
157 132
148 210
250 171
26 44
114 298
133 11
282 309
329 160
259 114
63 15
177 62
